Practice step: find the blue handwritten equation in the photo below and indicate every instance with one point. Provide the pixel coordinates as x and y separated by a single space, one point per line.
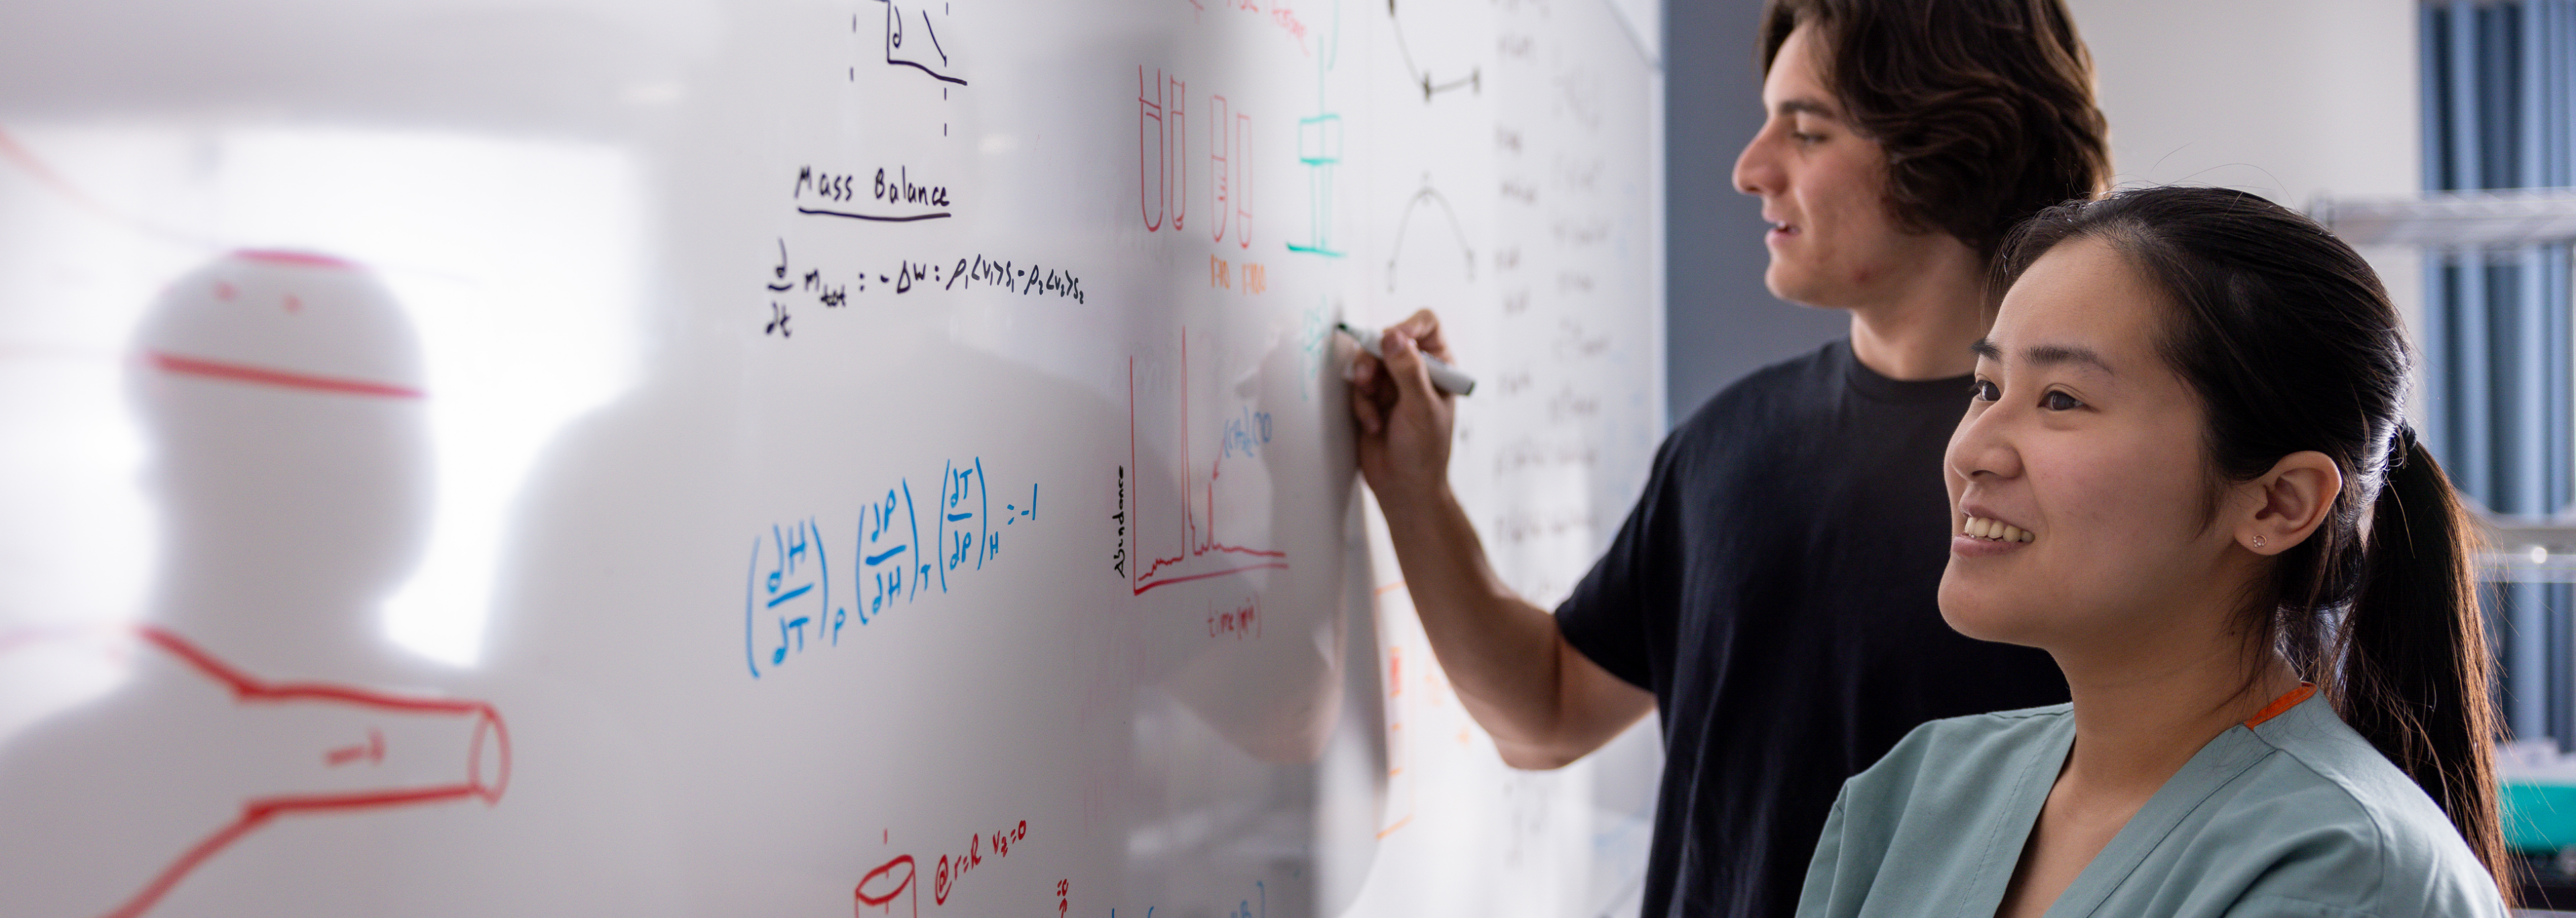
906 546
1247 433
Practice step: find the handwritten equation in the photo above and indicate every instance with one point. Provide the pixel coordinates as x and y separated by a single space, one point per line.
1239 622
906 545
945 877
1256 905
895 878
1222 274
793 285
1246 433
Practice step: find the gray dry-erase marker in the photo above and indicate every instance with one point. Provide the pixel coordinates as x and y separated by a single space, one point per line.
1444 377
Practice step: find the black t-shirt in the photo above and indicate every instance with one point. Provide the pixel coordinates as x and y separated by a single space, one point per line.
1775 588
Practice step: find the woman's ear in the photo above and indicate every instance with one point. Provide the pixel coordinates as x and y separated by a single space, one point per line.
2288 502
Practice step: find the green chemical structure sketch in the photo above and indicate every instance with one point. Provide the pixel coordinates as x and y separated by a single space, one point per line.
1319 147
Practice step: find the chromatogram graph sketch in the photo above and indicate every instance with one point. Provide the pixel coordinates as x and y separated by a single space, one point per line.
1204 555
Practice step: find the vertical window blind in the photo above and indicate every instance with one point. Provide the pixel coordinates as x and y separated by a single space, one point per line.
2499 112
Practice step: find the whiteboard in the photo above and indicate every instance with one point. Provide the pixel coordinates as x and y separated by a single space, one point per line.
577 457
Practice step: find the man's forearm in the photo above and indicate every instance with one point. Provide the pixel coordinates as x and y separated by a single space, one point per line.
1501 652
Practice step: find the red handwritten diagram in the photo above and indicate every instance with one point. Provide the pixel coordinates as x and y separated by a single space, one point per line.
485 775
1203 554
1399 750
1163 158
893 880
1163 149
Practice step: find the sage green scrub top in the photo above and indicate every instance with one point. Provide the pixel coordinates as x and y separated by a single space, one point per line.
2294 815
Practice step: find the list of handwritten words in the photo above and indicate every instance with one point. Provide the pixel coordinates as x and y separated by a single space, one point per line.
909 543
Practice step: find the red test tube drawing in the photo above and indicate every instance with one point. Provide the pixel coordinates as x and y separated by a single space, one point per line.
1153 170
883 885
1221 176
1241 163
1176 188
1162 150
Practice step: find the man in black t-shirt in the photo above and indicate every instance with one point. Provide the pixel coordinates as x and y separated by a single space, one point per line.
1771 597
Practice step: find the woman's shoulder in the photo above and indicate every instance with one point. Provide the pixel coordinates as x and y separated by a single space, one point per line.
1940 815
1969 735
1966 751
2332 822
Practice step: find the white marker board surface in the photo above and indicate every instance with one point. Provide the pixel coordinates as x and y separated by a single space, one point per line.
794 458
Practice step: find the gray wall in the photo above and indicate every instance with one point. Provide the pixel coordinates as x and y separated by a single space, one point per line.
1721 322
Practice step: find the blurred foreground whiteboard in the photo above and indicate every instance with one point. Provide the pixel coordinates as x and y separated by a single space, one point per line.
794 458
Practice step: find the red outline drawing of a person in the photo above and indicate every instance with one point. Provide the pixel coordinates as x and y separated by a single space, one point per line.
283 391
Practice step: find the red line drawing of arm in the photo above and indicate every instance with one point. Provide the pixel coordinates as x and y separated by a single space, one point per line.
249 690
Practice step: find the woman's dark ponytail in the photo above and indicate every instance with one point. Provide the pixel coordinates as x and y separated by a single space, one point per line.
2414 655
2287 337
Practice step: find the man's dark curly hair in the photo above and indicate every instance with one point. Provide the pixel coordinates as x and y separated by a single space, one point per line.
1985 107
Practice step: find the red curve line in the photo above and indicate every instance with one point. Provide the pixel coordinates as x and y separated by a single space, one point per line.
1159 564
25 159
1278 565
248 689
242 372
29 637
297 258
1239 550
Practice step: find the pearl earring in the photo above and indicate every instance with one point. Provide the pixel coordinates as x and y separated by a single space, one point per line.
2258 541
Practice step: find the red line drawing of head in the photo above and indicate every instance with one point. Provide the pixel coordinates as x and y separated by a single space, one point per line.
284 396
243 318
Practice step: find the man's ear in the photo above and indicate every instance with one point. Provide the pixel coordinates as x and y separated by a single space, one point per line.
2286 504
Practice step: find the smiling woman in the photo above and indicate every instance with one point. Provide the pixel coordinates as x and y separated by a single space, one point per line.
2185 473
